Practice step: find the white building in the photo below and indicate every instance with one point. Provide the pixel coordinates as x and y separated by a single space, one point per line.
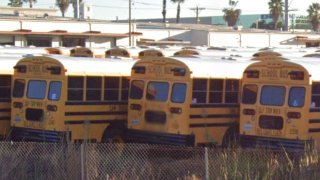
53 32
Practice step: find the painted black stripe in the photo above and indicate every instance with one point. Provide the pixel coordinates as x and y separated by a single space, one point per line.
214 116
5 110
213 105
211 125
5 118
313 130
314 110
314 121
95 121
5 100
96 113
97 103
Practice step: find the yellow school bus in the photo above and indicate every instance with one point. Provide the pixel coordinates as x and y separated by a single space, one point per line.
280 104
66 98
81 52
6 71
150 53
184 101
186 52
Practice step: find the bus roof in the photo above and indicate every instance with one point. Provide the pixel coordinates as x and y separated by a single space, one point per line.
207 67
90 66
311 65
8 62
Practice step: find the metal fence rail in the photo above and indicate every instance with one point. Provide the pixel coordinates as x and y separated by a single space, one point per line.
140 161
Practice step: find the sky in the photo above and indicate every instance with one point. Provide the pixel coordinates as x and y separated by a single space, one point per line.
145 9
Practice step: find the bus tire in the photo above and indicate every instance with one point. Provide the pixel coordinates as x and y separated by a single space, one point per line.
116 136
231 138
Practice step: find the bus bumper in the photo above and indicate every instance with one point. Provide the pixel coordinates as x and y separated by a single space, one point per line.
138 136
35 135
274 143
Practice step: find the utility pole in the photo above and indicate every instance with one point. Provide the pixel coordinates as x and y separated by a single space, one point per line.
198 10
129 22
286 11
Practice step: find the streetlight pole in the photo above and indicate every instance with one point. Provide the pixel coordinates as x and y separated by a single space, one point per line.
129 22
286 10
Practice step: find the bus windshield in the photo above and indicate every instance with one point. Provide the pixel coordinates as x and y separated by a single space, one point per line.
273 95
136 89
178 92
158 91
54 90
18 88
296 96
249 95
36 89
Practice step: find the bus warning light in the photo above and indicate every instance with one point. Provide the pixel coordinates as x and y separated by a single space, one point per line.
249 112
296 75
52 108
139 69
252 74
21 68
176 110
54 70
294 115
17 105
179 71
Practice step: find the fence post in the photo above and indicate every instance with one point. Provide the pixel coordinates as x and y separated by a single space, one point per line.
206 159
82 161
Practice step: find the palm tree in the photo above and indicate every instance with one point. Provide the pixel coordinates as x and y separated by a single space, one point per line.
31 2
15 3
314 15
164 11
276 10
63 6
178 8
231 14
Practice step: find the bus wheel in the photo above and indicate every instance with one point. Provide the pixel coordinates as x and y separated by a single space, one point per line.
116 137
231 138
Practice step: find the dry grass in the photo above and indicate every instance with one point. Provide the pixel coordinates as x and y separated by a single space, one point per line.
61 161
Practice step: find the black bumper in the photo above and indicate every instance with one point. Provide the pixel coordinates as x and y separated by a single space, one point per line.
137 136
275 143
35 135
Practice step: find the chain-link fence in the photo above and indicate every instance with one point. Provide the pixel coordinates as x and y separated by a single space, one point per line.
140 161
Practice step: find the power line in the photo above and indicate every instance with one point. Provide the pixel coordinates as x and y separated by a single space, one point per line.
197 10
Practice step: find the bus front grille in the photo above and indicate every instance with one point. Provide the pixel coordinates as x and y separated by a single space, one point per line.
34 114
156 117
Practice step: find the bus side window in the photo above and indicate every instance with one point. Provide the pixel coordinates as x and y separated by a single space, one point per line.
93 90
124 89
232 91
315 98
199 90
75 88
216 91
5 87
111 88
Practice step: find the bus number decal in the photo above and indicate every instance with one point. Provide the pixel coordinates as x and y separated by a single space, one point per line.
269 110
273 111
35 104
